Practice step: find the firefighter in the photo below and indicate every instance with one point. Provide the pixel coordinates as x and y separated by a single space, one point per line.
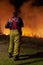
15 35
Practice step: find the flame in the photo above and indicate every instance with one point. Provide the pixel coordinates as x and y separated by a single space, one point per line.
31 33
32 18
6 31
27 32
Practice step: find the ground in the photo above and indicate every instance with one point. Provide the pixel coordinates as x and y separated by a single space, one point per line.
30 53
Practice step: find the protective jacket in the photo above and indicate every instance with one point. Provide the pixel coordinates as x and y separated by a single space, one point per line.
19 24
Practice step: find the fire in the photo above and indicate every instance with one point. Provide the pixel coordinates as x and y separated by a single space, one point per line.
32 18
6 32
26 32
31 33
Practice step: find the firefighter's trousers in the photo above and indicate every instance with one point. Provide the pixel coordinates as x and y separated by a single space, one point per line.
14 47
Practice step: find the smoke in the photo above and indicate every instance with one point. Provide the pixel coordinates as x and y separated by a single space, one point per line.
33 18
6 10
0 0
37 3
32 15
17 3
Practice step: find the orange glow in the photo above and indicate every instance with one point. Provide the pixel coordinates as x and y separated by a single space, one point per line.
31 33
32 18
26 32
6 32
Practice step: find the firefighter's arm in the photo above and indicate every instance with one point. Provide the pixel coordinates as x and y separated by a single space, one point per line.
8 24
21 22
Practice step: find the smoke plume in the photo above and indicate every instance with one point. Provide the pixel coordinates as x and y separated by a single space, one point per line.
31 13
17 3
37 3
